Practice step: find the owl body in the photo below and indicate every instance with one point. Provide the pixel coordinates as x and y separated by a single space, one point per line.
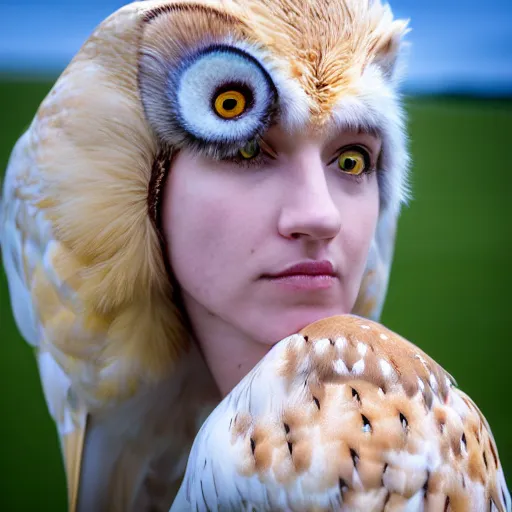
80 228
345 415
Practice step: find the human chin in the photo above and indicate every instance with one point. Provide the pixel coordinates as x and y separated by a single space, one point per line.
279 322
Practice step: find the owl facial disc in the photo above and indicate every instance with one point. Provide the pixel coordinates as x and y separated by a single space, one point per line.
222 97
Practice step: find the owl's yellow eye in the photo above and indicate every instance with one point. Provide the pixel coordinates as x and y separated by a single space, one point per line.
230 104
352 162
250 150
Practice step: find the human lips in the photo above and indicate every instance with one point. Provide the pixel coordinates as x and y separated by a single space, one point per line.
307 268
307 275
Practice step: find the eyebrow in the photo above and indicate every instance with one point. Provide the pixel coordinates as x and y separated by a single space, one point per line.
369 130
353 114
359 128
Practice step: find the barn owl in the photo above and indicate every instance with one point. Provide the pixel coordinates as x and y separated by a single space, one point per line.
345 415
80 233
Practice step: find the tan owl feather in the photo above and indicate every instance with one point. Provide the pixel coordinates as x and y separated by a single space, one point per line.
80 235
345 415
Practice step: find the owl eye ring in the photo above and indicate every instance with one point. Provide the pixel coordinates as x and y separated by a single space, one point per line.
216 99
231 101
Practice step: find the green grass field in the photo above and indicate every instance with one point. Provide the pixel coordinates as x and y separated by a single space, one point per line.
449 291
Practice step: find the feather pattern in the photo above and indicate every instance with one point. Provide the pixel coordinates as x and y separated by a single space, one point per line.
345 415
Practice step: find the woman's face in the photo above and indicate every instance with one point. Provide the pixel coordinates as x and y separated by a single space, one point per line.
270 243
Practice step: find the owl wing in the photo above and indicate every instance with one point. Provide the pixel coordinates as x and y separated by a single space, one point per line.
120 457
41 295
345 415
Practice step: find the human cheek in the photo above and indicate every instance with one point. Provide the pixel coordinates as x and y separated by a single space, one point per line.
359 213
189 228
212 238
204 241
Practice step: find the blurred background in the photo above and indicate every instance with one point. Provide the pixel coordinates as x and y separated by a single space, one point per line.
451 283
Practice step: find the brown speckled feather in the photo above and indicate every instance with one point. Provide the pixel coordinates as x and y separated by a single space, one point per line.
345 415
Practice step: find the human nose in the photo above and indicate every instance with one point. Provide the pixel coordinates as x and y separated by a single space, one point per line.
309 210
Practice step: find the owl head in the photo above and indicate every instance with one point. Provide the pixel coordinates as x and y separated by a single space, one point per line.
212 76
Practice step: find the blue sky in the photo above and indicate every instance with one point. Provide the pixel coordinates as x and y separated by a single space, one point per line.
456 45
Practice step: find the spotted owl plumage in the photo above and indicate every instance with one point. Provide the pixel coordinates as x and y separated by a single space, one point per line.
345 415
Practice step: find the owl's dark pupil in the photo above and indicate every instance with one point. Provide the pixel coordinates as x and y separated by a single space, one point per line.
350 163
229 104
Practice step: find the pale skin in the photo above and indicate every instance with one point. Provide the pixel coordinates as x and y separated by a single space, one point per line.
232 229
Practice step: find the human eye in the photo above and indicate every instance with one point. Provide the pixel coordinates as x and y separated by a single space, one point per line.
252 154
354 161
250 150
